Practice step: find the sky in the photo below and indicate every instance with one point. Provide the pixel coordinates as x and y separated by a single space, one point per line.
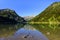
26 7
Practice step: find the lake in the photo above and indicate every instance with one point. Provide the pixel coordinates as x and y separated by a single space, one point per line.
29 32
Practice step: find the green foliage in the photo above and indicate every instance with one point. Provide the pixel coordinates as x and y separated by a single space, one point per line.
52 13
10 14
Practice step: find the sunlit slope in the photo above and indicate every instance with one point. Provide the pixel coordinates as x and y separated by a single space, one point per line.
50 14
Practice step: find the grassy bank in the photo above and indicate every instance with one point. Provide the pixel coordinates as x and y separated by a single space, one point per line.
43 22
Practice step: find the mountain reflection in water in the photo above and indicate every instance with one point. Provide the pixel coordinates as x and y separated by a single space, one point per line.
52 31
25 33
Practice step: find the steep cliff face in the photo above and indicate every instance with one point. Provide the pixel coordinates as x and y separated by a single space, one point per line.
10 16
50 14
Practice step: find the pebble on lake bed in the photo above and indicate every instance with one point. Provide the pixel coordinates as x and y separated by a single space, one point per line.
48 33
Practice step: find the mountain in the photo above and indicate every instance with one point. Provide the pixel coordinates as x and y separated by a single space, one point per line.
50 14
27 18
8 16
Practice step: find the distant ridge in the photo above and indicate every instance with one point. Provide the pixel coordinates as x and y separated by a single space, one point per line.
27 18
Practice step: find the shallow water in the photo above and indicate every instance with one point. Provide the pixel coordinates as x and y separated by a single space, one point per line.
24 34
52 31
29 32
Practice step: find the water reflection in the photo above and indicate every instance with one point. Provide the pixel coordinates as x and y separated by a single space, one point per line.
8 30
30 32
24 34
16 32
52 31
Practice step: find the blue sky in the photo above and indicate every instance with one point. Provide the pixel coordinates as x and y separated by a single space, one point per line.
26 7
